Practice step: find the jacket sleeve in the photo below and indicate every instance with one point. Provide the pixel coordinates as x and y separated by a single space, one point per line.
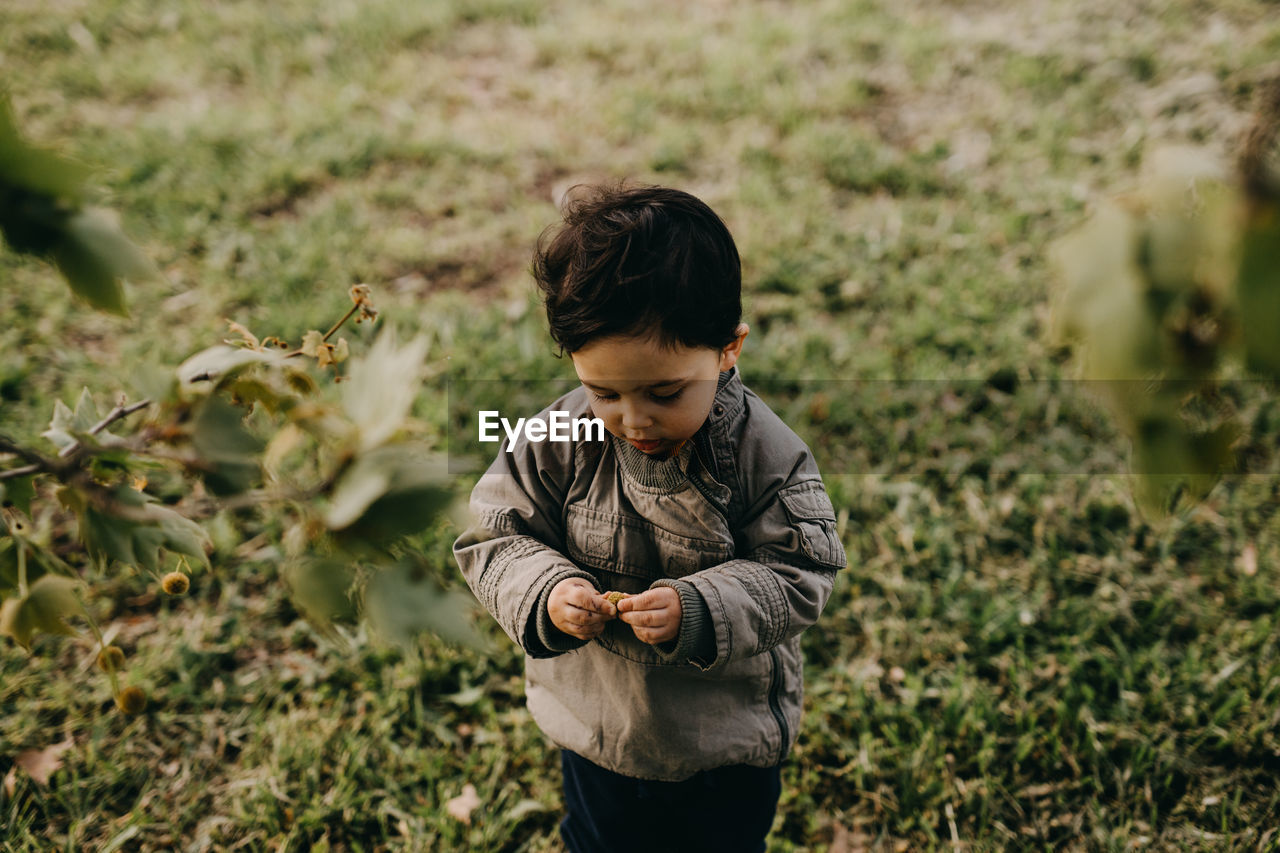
777 587
512 554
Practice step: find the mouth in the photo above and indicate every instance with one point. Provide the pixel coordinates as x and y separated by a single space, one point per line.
647 446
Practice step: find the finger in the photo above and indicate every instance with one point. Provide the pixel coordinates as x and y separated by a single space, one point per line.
646 618
653 599
642 601
585 623
588 614
588 599
582 628
653 636
603 606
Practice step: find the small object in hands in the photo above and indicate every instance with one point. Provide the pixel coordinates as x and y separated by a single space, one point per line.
614 597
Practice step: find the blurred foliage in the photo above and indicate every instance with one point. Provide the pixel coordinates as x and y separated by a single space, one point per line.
1012 644
1170 293
42 213
241 424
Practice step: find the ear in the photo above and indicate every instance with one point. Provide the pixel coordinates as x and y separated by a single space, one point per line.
733 349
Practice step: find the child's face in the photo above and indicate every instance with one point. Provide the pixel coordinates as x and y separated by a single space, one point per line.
651 395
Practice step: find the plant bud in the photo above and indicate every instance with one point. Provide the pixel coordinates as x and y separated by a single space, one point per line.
131 701
111 659
175 583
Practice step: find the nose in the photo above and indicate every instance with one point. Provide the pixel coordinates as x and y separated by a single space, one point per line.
635 417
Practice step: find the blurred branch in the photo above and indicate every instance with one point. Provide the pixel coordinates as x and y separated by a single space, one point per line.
36 461
114 415
40 464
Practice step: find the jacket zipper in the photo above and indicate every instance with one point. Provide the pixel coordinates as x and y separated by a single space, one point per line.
706 493
775 704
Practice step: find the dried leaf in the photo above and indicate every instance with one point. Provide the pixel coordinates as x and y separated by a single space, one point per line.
312 341
249 338
40 764
461 806
11 781
523 809
324 355
1249 560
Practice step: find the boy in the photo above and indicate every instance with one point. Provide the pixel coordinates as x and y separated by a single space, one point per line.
675 708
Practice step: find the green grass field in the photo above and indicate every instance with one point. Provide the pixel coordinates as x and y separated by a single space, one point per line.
1016 658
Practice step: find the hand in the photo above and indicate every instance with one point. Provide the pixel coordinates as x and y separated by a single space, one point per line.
577 609
654 615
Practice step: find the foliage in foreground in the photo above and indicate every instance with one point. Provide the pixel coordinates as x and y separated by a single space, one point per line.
236 425
1173 292
893 172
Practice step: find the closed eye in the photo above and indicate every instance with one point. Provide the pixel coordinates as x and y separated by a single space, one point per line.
657 398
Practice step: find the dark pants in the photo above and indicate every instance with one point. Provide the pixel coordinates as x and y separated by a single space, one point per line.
727 809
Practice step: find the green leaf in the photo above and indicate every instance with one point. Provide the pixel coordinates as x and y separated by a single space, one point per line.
60 428
401 601
389 492
1258 287
107 537
35 169
218 363
381 387
32 223
322 588
248 390
134 536
1102 302
9 567
86 415
153 382
1173 464
228 451
90 279
19 491
49 600
181 534
73 427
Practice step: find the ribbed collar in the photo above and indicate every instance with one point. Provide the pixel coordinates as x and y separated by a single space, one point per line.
665 474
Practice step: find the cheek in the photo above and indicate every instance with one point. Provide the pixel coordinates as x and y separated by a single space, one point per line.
608 414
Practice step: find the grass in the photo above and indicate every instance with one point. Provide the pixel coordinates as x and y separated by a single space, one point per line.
1015 659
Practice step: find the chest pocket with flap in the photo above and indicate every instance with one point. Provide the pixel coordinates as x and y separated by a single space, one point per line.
636 550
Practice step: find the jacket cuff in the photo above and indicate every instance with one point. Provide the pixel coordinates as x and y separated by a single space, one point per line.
545 639
696 642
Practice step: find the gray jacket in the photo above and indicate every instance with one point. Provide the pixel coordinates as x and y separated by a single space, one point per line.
738 523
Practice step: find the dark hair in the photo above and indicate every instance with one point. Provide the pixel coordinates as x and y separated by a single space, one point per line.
639 260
